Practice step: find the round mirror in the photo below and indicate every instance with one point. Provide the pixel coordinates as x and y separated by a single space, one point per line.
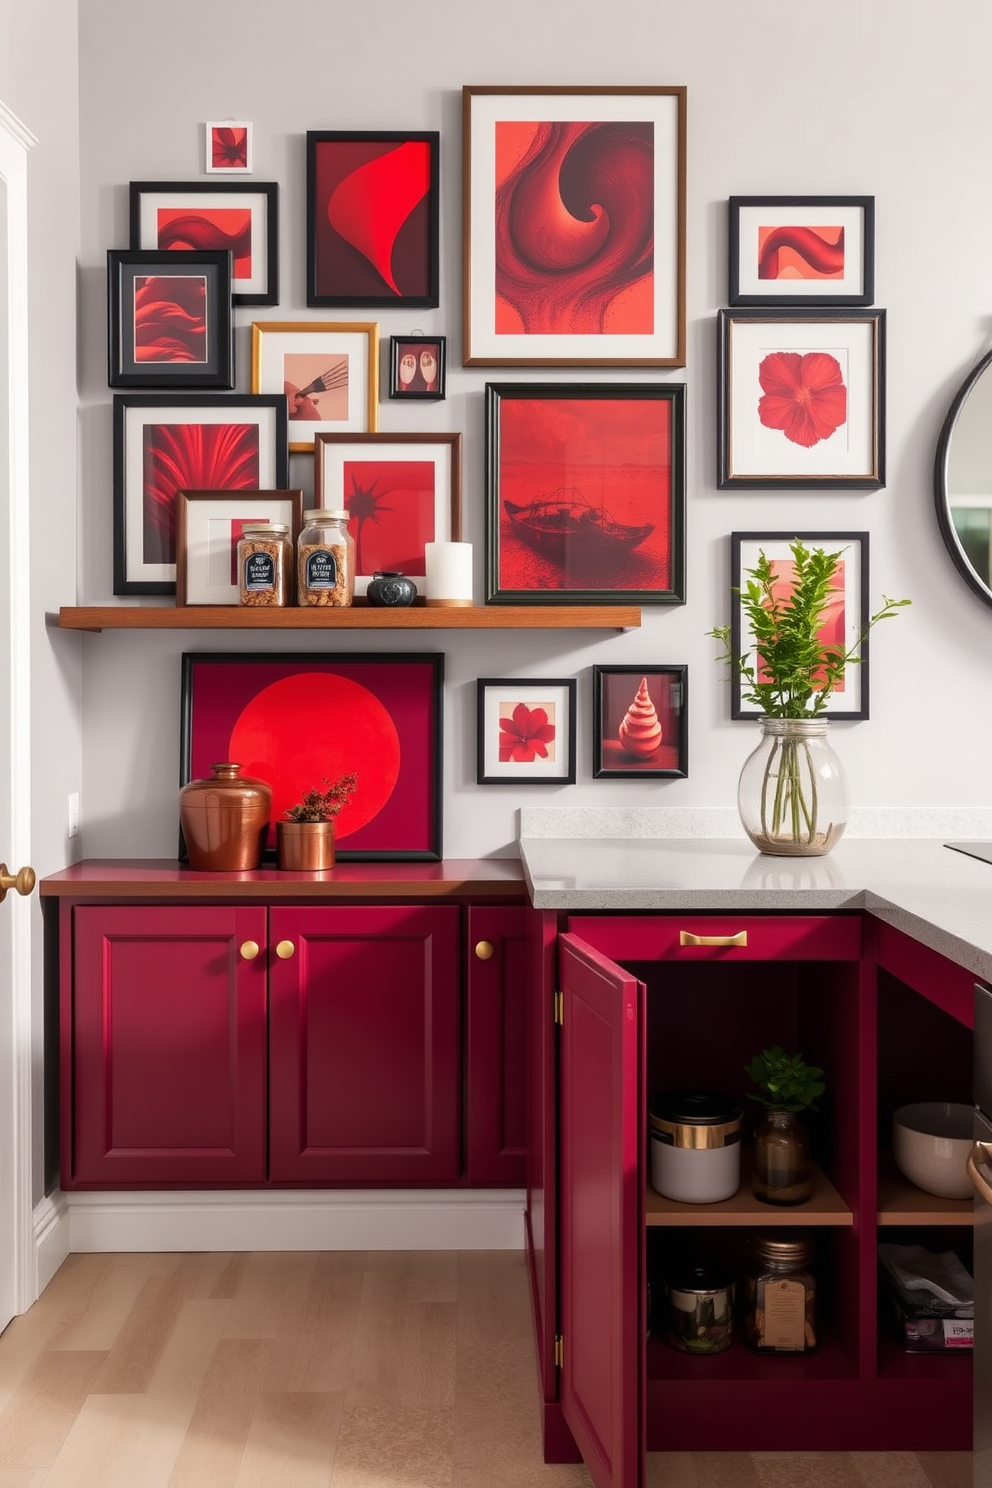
963 480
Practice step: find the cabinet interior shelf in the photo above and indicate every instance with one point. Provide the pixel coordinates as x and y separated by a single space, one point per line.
357 617
824 1207
902 1203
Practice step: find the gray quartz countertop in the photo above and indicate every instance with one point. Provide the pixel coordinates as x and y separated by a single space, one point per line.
938 896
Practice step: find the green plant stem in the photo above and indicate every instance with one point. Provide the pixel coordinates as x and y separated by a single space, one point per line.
790 798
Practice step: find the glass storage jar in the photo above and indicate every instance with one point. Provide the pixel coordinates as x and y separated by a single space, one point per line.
779 1311
699 1309
325 560
265 564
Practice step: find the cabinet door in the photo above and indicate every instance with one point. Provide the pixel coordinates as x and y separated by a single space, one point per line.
497 983
364 1044
164 1083
602 1232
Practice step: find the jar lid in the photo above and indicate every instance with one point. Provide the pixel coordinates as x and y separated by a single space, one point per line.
264 529
699 1278
786 1247
321 514
694 1108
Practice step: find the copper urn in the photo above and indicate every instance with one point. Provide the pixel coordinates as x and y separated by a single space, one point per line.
225 820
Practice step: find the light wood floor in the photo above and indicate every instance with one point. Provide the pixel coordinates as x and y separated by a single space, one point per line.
329 1370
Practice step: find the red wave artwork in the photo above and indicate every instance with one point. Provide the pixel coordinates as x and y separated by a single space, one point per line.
170 318
213 227
800 253
525 733
575 229
190 457
370 206
804 395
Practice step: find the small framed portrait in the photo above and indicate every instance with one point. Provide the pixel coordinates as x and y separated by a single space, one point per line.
242 216
227 147
328 370
169 319
209 525
416 367
526 731
802 250
640 722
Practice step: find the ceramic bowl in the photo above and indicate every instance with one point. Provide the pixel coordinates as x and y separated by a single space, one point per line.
930 1143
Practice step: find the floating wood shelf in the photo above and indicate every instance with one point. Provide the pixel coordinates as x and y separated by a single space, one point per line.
825 1207
902 1203
357 617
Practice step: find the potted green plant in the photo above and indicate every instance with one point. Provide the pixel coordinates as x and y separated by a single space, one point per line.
792 794
305 835
782 1166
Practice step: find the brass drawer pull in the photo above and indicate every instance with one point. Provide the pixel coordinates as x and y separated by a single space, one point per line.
285 950
484 950
248 950
686 938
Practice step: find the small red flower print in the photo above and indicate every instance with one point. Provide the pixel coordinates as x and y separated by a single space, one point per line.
525 735
804 396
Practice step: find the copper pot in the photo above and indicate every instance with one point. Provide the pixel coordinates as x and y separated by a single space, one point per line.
305 847
225 820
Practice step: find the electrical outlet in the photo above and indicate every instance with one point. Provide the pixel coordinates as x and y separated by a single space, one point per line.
72 816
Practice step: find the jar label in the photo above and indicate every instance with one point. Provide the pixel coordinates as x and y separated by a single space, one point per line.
260 572
785 1316
321 569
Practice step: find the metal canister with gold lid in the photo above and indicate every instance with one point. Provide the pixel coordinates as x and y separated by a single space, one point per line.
695 1146
779 1307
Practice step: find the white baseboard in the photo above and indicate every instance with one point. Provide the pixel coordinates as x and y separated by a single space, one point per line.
51 1240
352 1219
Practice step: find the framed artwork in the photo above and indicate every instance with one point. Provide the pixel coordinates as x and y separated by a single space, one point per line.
169 318
526 730
416 368
640 722
574 226
372 217
208 527
227 147
844 619
801 399
295 719
802 250
585 493
400 491
242 216
164 444
328 370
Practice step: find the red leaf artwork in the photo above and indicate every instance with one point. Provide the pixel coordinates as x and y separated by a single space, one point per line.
804 395
524 734
369 207
191 457
170 318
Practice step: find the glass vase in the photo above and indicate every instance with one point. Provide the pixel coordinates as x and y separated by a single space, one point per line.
792 794
782 1167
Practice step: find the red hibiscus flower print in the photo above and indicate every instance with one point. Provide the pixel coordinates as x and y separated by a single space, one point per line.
525 735
804 396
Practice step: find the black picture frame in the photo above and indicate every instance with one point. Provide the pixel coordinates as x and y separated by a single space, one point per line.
151 467
768 438
823 235
346 264
494 766
180 318
418 389
192 201
744 547
395 748
596 545
634 753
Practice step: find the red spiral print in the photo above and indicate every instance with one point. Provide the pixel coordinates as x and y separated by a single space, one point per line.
170 318
191 457
575 227
820 257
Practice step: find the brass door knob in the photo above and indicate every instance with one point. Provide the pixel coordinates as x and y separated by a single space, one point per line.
285 950
23 881
484 950
249 950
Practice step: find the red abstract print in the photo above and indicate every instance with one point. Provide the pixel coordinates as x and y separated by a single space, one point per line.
574 228
190 457
526 734
229 148
832 629
372 225
391 504
800 252
209 227
170 318
804 395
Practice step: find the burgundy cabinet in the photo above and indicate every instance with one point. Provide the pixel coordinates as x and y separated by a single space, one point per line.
497 980
364 1036
163 1051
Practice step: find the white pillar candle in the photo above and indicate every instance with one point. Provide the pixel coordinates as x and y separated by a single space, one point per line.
449 573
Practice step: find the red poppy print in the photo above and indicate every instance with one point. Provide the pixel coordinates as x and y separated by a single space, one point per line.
526 734
804 395
190 457
170 318
229 148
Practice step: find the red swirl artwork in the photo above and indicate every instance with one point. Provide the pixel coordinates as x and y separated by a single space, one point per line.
213 227
170 318
574 228
190 457
803 395
800 252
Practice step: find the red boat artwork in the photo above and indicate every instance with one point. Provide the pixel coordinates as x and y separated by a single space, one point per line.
567 528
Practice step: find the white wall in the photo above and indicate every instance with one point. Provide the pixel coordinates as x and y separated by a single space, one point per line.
867 97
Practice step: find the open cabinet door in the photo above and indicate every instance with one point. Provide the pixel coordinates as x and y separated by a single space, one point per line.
602 1230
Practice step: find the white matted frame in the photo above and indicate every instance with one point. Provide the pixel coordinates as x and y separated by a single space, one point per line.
329 371
208 525
227 147
240 215
526 730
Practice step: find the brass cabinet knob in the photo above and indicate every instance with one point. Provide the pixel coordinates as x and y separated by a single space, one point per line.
249 950
285 950
23 881
484 950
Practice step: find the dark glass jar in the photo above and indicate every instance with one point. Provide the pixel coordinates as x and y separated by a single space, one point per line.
699 1309
389 590
779 1311
782 1169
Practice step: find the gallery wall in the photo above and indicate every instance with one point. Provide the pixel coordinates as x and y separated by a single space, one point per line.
853 101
